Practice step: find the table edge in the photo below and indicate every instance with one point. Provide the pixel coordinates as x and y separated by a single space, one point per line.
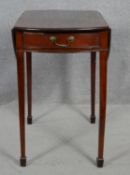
63 30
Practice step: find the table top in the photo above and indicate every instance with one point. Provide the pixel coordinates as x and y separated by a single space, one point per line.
61 20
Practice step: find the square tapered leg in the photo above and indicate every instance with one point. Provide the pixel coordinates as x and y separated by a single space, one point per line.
29 86
93 77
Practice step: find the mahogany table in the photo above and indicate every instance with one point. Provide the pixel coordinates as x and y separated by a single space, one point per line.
58 31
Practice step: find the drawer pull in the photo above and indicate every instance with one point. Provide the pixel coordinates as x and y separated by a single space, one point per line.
70 39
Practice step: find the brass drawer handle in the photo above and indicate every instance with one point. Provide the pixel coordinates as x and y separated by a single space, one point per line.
70 39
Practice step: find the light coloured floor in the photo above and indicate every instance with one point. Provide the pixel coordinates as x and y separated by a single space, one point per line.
61 141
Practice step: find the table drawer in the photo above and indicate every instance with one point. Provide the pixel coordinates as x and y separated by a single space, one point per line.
63 41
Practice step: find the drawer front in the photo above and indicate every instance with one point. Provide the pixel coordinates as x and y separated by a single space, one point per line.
60 41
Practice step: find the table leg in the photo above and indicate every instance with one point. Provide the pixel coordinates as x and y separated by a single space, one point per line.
93 77
29 86
102 115
20 74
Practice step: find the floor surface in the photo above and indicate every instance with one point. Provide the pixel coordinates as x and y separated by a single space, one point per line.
61 141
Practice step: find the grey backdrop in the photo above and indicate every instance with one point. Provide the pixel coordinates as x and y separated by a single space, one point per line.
65 78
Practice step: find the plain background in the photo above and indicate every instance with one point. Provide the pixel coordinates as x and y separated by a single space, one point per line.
66 78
